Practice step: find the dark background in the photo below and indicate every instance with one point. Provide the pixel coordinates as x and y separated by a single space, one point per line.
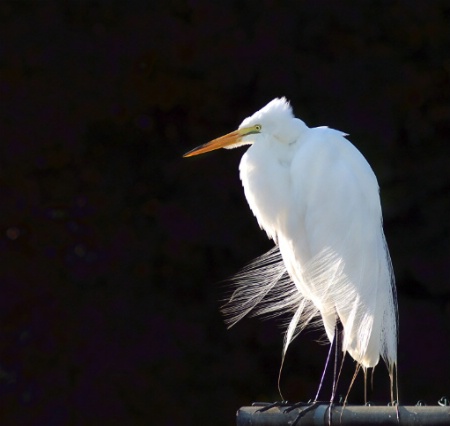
115 250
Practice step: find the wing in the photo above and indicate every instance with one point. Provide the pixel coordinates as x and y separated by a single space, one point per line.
334 247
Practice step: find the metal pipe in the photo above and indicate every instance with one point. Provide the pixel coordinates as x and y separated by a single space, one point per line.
318 414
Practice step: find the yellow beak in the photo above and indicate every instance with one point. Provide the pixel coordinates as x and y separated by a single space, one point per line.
222 142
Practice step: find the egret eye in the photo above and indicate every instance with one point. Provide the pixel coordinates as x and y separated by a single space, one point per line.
258 127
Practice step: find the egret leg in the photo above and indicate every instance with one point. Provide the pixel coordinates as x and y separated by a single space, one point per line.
337 354
324 370
336 344
336 374
365 385
358 366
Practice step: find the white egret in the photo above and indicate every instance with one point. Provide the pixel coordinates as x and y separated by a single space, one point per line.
317 197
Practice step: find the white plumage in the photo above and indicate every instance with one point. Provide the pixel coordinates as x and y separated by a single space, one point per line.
317 197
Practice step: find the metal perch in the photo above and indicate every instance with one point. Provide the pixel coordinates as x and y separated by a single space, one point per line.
318 414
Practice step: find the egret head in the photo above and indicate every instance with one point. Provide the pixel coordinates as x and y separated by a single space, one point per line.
275 119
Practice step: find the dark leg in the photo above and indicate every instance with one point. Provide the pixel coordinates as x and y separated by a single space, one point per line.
338 361
325 370
336 344
338 358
